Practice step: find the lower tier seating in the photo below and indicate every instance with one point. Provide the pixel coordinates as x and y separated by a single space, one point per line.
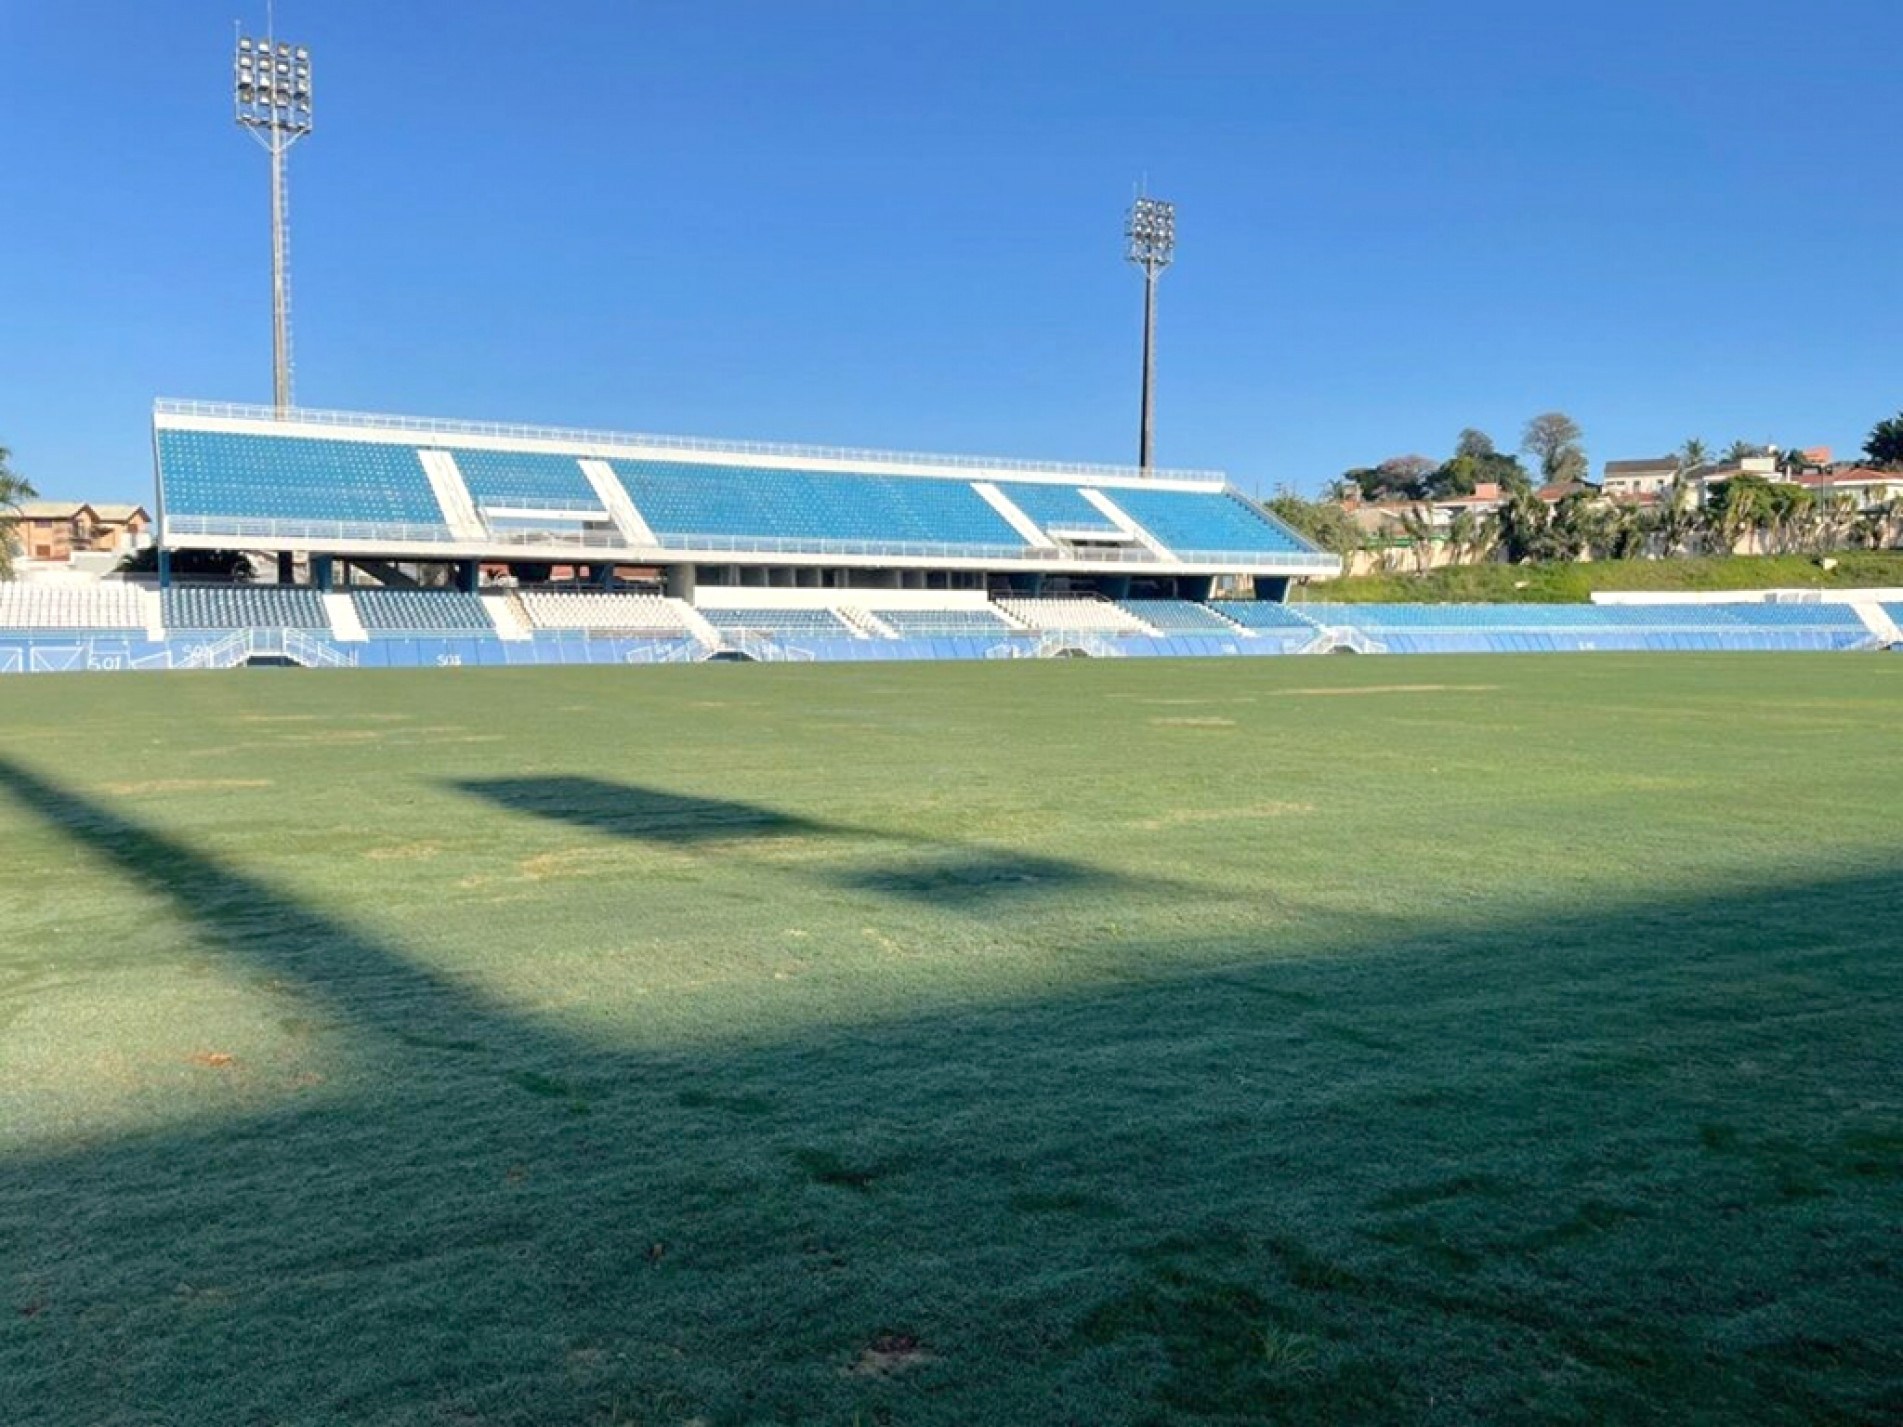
1073 615
71 607
1261 614
943 623
1178 617
244 607
780 623
603 612
386 612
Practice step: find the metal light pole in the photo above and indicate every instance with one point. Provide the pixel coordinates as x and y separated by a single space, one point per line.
271 88
1151 234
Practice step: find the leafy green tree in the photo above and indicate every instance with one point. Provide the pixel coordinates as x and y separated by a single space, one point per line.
14 488
1885 446
1738 452
1322 521
1397 478
1555 441
1629 531
1525 527
1579 527
1474 444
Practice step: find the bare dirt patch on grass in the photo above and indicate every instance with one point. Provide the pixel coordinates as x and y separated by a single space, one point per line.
1202 722
888 1355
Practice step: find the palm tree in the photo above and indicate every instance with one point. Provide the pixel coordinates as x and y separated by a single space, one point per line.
1693 454
14 488
1678 519
1417 524
1463 535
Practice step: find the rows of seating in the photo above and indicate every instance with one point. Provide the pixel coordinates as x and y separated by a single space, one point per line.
296 479
1190 523
780 623
71 607
764 507
943 623
1540 628
1057 507
388 612
1262 615
1068 616
197 607
1178 617
603 612
526 480
1587 616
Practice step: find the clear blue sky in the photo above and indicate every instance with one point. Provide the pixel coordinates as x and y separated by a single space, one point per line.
896 224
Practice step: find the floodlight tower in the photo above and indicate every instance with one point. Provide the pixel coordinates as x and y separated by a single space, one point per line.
271 88
1151 233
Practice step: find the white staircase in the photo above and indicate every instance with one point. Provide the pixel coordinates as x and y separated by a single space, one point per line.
1129 527
865 623
698 625
505 614
614 499
459 511
345 624
1877 621
1015 518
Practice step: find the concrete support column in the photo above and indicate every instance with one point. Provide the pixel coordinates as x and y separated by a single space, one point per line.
680 582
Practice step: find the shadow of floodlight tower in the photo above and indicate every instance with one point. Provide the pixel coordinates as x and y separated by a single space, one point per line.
271 90
1150 231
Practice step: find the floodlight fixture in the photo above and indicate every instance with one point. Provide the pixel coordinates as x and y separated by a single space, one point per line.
271 95
1149 233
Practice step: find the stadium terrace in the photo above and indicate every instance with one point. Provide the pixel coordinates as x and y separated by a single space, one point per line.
404 542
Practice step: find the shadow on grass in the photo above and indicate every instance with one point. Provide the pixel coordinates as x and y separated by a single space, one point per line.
1638 1165
643 814
930 871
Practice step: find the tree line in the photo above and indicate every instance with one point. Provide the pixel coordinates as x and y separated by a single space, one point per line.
1769 515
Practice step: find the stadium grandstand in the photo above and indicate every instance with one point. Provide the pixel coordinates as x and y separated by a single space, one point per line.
406 542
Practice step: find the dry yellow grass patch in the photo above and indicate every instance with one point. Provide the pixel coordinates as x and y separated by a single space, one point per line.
1390 689
151 786
1186 817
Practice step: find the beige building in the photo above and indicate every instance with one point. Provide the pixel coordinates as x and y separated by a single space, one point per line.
59 529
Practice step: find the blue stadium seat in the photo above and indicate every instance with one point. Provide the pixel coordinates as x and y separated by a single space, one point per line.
1263 615
943 623
780 623
1189 522
1178 617
527 479
393 612
293 478
762 505
243 607
1062 506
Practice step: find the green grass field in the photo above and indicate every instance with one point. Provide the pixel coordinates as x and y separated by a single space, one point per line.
1390 1040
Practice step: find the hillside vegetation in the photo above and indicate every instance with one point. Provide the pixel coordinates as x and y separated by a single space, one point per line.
1565 582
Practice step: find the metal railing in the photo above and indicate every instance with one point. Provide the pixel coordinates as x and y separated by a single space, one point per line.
557 541
359 420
